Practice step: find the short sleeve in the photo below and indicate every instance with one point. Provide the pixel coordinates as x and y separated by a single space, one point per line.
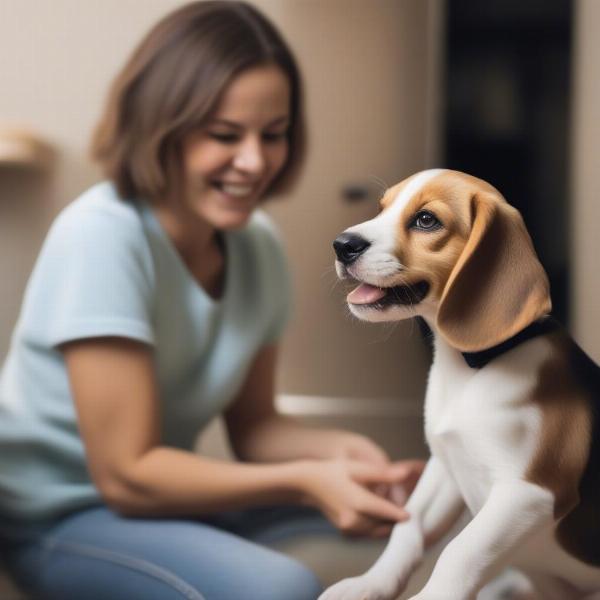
93 278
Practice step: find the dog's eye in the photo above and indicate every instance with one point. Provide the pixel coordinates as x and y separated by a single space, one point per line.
425 221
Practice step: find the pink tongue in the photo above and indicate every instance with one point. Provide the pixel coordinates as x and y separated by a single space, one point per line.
365 294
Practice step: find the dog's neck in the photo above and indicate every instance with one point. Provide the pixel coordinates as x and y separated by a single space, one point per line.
443 352
479 359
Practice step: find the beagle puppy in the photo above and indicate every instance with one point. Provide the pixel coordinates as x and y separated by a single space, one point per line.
512 403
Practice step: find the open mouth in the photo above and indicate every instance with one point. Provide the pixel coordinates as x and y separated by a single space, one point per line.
370 296
235 190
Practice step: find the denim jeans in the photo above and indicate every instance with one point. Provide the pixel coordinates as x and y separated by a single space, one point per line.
95 554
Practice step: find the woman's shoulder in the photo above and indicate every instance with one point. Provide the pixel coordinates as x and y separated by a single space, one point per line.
99 211
100 201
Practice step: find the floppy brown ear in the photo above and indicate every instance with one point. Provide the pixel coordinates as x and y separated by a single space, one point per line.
498 286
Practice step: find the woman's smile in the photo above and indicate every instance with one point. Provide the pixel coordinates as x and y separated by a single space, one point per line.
230 163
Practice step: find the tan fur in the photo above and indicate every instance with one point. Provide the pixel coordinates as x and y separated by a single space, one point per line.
564 463
484 295
433 255
564 445
498 287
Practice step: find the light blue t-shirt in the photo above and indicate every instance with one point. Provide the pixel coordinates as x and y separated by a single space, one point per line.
107 268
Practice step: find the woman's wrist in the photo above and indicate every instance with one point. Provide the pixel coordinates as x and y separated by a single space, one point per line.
302 478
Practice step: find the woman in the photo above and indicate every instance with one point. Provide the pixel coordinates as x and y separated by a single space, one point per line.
156 303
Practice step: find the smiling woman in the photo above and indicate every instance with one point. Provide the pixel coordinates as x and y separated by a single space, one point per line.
155 305
229 164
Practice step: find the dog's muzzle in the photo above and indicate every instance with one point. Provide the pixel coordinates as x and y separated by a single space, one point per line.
349 246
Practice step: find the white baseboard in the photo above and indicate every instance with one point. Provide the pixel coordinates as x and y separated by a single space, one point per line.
352 407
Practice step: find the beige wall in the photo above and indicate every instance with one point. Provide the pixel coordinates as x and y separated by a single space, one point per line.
366 66
585 220
56 59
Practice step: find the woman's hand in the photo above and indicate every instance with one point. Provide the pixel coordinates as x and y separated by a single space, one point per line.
354 446
358 447
406 474
342 490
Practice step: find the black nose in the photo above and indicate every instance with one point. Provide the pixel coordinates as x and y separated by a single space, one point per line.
349 246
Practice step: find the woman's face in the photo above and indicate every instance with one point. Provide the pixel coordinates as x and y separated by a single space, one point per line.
229 164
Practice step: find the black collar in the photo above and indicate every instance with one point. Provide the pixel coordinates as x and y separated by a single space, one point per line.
477 360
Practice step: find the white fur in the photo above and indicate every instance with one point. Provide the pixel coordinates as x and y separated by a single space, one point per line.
379 264
482 433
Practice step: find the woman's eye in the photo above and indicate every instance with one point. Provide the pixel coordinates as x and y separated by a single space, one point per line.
224 138
234 138
274 137
426 221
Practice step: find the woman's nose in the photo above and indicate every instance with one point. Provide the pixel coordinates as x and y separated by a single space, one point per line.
250 157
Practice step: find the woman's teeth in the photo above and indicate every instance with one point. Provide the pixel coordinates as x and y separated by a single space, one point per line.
237 190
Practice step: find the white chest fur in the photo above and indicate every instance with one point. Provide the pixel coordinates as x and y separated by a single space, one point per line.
482 423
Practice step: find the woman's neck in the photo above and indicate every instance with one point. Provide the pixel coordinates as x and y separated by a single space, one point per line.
190 235
199 247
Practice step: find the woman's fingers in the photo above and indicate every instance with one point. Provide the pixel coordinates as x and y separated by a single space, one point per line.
372 505
407 469
373 475
361 448
373 528
408 473
382 489
398 493
369 474
355 495
381 531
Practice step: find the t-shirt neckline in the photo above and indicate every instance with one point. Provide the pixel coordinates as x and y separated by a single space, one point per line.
151 219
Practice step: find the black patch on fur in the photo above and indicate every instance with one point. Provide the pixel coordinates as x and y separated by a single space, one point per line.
579 531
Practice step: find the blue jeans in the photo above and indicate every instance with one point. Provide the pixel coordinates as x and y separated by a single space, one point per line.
95 554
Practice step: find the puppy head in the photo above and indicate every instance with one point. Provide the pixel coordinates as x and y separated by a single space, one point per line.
446 246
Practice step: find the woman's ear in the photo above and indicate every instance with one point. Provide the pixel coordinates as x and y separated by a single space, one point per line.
498 286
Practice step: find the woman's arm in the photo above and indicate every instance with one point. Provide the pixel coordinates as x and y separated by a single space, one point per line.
115 392
257 433
113 384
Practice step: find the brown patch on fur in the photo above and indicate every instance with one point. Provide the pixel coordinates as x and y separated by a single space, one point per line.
498 286
481 266
430 256
564 445
566 459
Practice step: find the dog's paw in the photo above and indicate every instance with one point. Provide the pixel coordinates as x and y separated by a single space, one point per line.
428 593
360 588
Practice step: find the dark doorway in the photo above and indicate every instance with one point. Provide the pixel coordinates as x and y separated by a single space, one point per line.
507 114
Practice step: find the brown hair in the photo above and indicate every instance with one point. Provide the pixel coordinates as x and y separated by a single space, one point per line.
171 85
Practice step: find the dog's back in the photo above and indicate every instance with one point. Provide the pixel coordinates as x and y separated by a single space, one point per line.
579 530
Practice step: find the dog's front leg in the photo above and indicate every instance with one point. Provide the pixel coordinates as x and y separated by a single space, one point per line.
434 506
513 511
